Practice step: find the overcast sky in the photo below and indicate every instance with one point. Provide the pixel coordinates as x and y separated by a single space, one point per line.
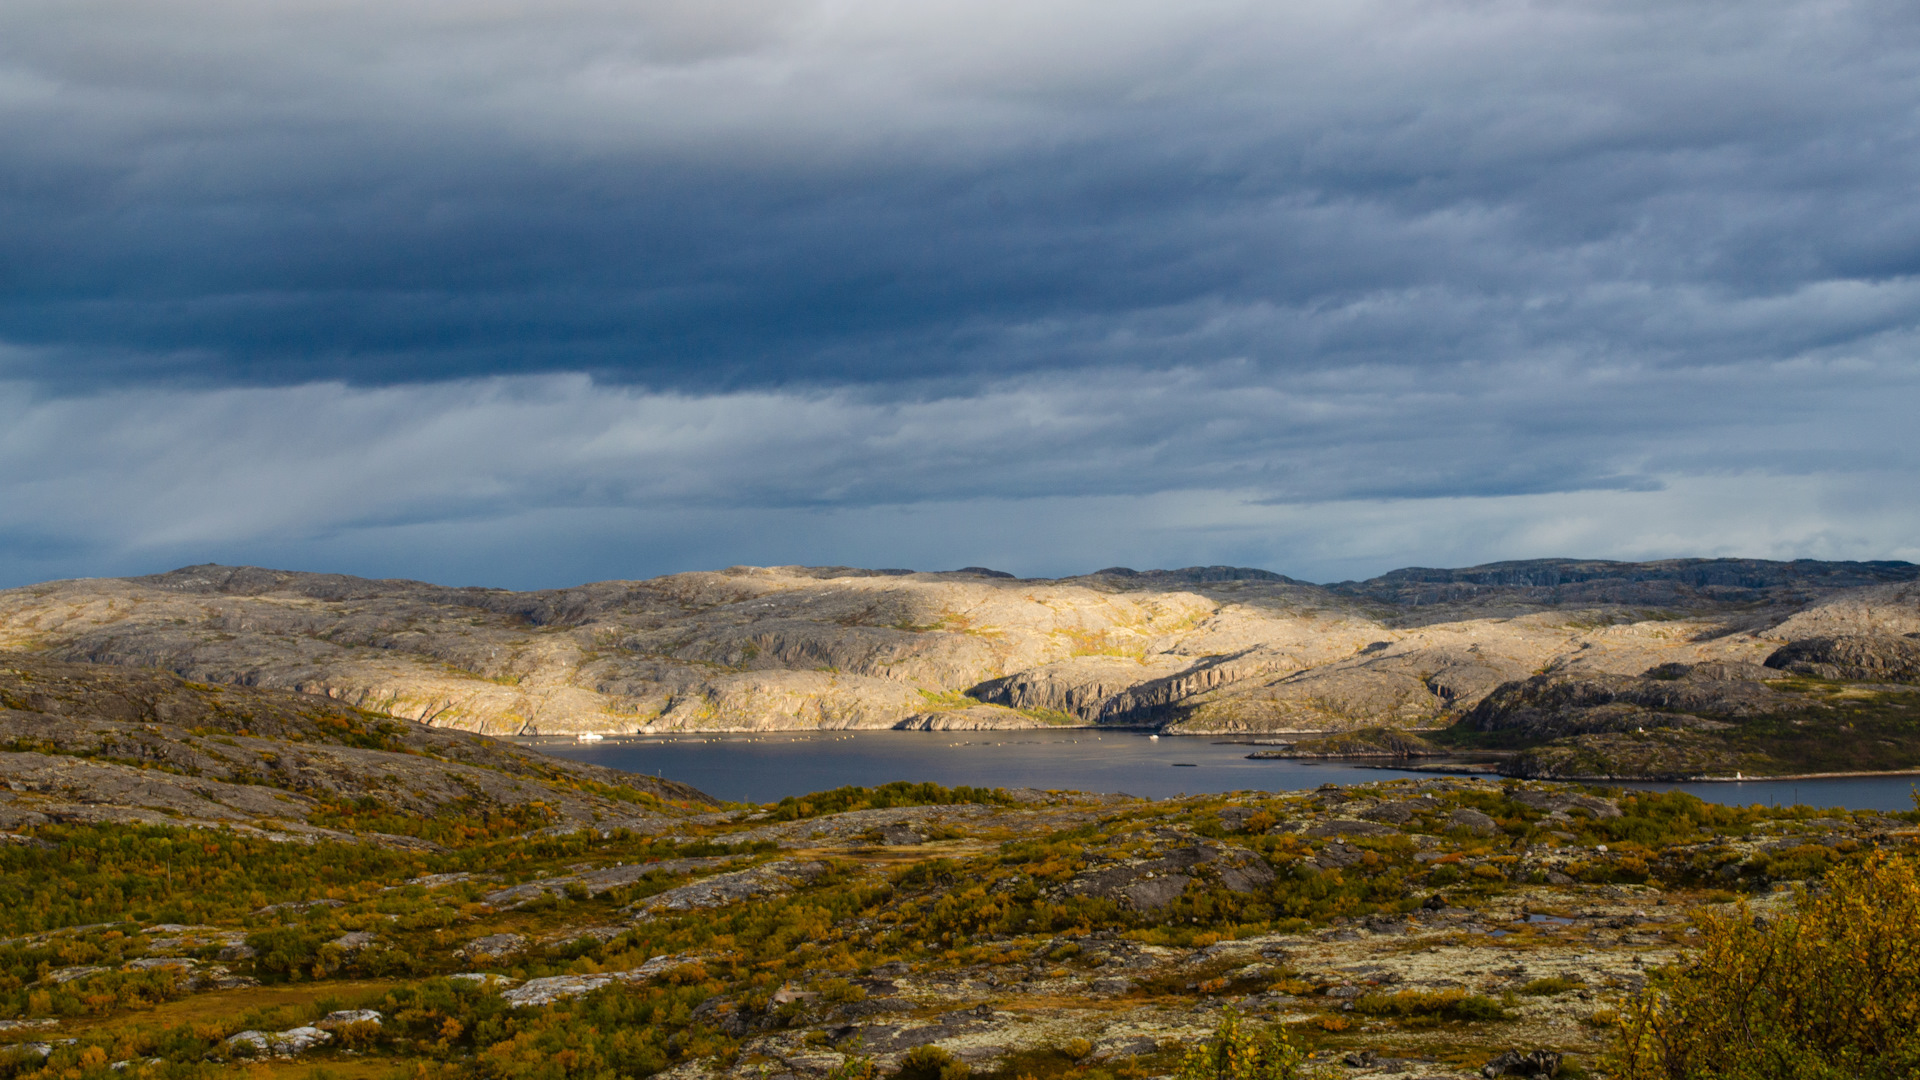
527 294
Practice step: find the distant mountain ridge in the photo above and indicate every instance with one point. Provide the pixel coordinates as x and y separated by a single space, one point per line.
1197 649
1742 573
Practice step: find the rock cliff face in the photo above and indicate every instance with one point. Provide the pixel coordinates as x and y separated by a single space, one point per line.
1207 649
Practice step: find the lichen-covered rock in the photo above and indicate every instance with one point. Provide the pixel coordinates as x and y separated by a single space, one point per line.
69 974
1567 801
492 946
486 980
558 987
150 963
1400 811
1324 830
595 882
773 878
281 1044
1149 884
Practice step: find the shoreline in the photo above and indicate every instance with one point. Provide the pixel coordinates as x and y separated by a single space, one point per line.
802 733
1485 763
1856 774
1486 767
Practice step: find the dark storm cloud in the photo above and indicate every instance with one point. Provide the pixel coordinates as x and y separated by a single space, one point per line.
591 288
742 194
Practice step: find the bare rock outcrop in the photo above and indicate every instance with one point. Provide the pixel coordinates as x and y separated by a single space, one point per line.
1674 696
279 1044
590 883
1892 608
721 889
1856 657
96 743
1200 650
1154 882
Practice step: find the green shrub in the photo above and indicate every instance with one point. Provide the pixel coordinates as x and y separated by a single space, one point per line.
1237 1053
840 990
898 793
931 1063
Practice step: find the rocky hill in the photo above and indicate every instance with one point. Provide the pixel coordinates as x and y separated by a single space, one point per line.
90 744
1199 650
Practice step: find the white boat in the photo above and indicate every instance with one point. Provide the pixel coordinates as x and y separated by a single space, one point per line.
588 736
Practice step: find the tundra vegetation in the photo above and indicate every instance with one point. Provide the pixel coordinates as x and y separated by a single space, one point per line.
1439 927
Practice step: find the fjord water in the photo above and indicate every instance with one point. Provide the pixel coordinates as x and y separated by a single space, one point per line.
772 765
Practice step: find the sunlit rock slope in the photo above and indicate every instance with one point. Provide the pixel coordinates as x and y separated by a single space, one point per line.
1206 649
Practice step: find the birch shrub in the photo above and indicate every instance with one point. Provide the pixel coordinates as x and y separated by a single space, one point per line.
1830 991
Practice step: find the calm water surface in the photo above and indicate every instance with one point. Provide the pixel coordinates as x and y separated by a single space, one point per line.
764 768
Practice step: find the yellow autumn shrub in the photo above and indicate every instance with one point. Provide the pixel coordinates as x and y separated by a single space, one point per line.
1829 991
1237 1052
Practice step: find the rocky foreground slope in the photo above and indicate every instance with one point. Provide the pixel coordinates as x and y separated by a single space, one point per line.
97 744
1202 650
1447 928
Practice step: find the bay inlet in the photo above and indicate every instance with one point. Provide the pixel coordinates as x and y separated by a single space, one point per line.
769 766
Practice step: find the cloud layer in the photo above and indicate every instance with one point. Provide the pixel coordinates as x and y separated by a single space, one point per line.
452 289
541 480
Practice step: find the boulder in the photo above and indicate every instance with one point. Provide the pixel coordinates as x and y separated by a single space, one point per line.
281 1044
899 835
1473 821
1531 1063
